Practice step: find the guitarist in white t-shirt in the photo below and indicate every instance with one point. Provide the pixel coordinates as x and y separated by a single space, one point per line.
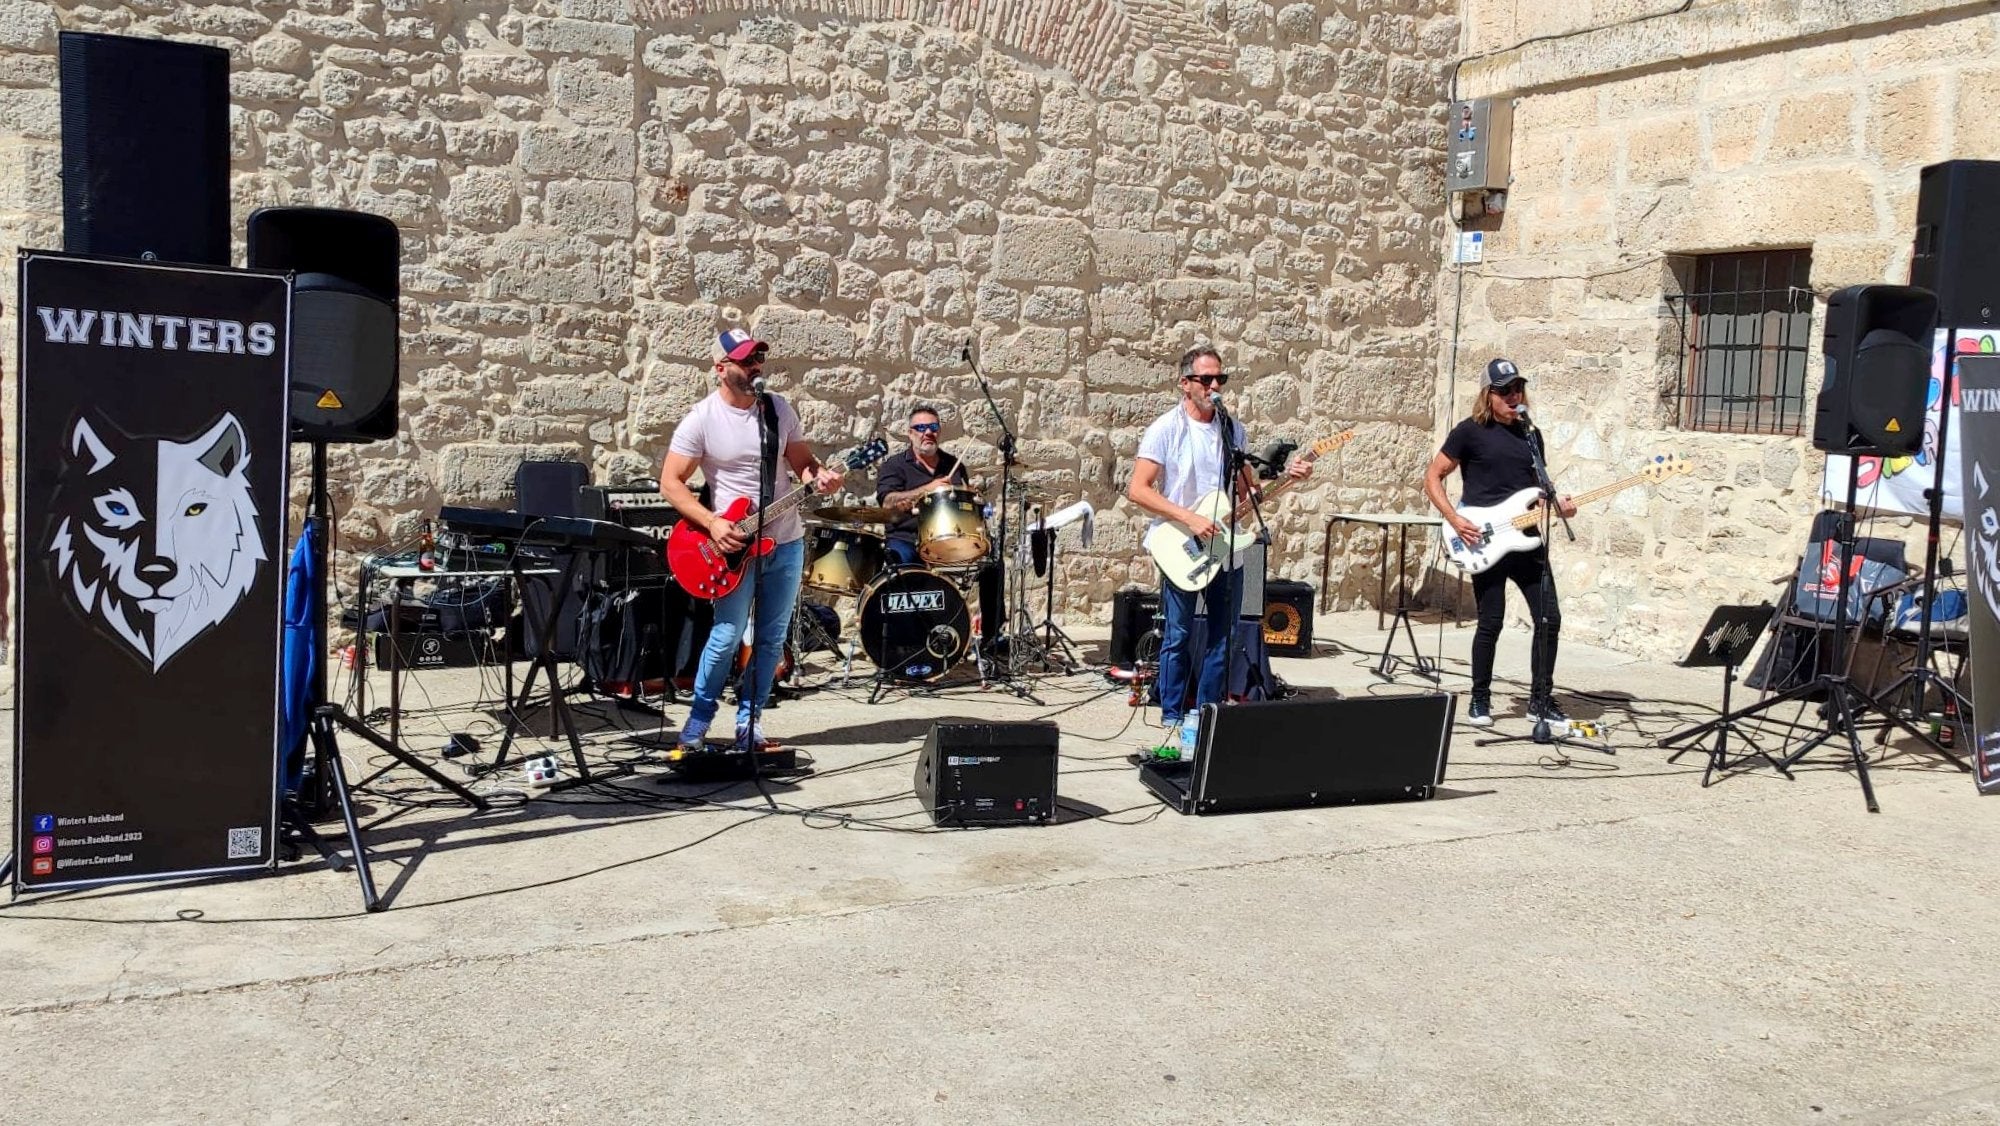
1491 453
1180 460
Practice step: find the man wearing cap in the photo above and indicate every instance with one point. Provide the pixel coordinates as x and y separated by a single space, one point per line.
1180 461
1492 453
723 437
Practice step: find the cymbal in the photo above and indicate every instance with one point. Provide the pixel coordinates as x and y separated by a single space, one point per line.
856 513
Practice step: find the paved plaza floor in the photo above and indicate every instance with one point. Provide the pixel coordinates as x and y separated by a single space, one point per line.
1587 939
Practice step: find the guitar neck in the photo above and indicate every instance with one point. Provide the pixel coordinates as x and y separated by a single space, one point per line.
1528 519
1243 507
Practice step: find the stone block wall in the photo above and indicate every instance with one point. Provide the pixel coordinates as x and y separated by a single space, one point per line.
1640 141
589 189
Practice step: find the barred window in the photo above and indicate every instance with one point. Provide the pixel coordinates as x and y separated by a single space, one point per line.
1745 321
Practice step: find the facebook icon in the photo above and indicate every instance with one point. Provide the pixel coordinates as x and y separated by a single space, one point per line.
45 822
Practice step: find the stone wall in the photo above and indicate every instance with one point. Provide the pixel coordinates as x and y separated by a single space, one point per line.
1728 126
588 189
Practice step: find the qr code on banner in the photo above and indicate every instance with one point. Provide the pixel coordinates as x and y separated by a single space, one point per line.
246 844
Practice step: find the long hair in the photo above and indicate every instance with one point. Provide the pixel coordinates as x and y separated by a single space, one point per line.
1482 404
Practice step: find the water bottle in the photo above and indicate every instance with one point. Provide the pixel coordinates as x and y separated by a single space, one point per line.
427 550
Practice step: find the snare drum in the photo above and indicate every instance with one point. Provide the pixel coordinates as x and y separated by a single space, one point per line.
951 527
843 560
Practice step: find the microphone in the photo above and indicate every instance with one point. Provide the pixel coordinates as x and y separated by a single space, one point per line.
757 385
1521 412
1215 399
965 352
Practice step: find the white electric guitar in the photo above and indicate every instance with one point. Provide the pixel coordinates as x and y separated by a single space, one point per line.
1515 524
1189 563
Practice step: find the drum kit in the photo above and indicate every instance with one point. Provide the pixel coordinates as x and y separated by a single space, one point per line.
916 622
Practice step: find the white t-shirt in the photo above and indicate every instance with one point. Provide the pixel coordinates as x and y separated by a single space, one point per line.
724 440
1189 454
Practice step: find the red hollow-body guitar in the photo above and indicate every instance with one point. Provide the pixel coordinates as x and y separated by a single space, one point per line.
706 571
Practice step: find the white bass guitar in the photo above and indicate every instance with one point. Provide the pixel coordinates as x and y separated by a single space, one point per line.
1189 563
1515 524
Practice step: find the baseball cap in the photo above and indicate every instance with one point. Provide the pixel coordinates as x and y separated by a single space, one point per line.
739 345
1500 373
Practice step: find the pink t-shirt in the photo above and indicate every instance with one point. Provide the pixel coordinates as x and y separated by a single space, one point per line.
724 440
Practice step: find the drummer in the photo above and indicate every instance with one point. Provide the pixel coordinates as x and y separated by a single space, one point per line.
902 481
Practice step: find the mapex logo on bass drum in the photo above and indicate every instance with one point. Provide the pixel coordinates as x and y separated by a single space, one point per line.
897 602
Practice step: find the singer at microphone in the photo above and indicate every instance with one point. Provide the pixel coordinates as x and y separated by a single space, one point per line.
1186 477
1496 453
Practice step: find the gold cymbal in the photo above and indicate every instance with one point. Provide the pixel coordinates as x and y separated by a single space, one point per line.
856 513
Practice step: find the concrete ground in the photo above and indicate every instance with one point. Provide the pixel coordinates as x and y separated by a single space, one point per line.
1592 940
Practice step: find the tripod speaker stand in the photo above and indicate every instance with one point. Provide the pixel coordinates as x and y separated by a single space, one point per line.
329 719
1845 702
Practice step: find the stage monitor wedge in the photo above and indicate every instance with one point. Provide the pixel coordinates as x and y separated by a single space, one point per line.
346 339
145 148
1290 754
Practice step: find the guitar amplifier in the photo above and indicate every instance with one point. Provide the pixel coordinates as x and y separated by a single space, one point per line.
1288 618
1134 614
989 773
458 649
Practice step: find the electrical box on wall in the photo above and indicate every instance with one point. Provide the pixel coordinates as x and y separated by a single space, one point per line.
1479 145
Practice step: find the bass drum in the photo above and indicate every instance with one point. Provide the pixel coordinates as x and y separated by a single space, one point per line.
914 624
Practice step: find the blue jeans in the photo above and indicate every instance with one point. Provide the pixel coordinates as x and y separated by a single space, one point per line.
773 584
1225 601
903 553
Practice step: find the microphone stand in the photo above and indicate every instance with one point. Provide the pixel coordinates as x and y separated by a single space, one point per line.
1543 733
767 486
999 558
1233 461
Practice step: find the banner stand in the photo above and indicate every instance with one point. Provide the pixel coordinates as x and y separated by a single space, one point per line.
1979 464
153 434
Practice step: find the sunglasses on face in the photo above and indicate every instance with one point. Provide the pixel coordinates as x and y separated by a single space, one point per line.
1512 389
924 427
1210 380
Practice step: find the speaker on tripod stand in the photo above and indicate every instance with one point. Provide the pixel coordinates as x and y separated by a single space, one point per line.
1871 404
345 340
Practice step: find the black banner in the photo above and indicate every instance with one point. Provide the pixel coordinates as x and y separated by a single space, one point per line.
1978 442
151 509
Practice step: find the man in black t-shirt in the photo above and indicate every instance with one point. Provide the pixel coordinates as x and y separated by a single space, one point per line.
1491 452
902 481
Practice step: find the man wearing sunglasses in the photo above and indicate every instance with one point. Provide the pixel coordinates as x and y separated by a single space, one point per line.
1490 451
1180 461
903 480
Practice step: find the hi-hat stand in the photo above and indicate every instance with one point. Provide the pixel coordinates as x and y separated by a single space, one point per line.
1046 644
328 719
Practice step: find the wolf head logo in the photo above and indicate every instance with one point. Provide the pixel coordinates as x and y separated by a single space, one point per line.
154 538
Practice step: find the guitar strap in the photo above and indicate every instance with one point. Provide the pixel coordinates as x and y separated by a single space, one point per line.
767 474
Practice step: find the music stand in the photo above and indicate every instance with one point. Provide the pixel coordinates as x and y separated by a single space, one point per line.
1726 640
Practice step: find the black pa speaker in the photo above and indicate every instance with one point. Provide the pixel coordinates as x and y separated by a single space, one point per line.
1288 754
1958 240
989 773
145 148
1878 370
345 336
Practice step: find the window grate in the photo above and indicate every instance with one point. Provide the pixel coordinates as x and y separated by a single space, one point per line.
1746 324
